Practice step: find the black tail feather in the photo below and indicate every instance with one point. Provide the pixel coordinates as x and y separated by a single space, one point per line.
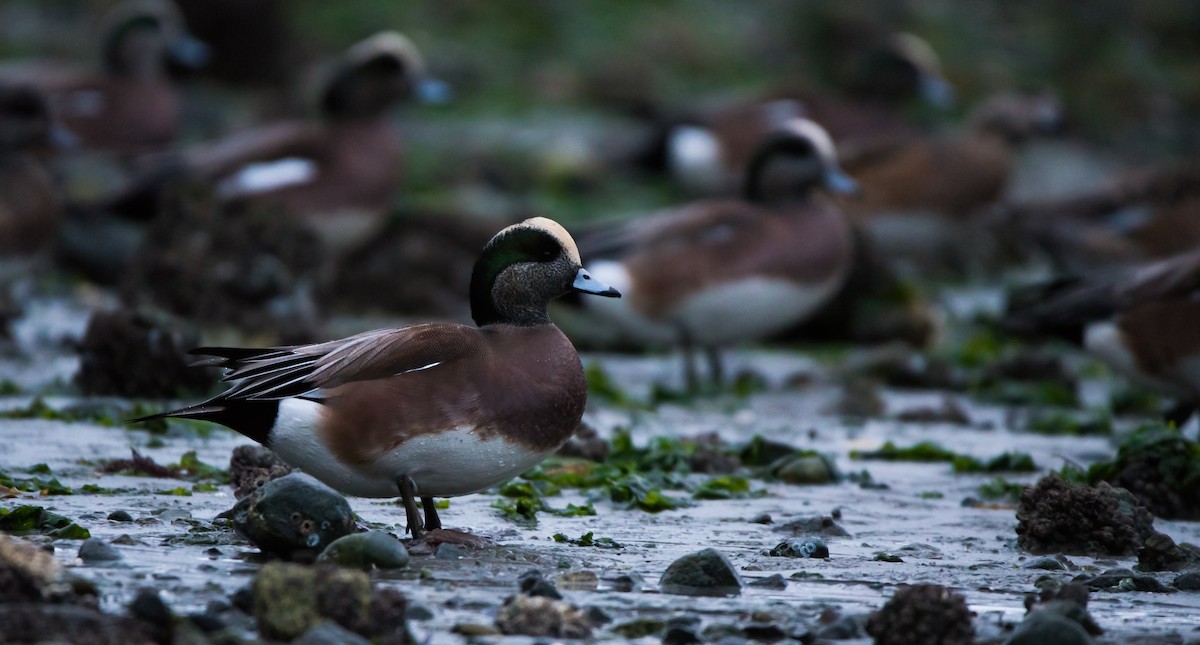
253 419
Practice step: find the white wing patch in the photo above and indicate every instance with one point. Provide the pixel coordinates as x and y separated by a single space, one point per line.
267 176
422 368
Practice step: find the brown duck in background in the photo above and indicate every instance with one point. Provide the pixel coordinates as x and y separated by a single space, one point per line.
917 193
339 176
1142 321
131 104
707 150
1143 215
717 272
29 206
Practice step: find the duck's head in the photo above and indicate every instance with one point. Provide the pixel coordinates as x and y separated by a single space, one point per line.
903 68
523 268
376 74
143 38
25 119
792 161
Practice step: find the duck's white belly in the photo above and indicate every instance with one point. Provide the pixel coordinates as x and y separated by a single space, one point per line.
751 308
727 313
455 462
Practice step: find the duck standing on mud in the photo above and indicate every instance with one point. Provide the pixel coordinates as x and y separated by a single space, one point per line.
432 410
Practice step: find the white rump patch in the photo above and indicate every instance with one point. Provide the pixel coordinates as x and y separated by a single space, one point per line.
267 176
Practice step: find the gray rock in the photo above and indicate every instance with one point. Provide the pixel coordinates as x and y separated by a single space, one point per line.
447 551
815 525
1049 628
120 516
804 547
330 633
366 550
1187 581
1056 563
172 514
293 516
1124 580
704 573
625 581
97 550
806 469
419 612
542 617
776 581
532 583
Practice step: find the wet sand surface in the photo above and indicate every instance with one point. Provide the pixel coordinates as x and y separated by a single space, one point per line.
178 549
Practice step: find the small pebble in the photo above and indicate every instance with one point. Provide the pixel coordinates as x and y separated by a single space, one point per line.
97 550
1188 581
120 516
764 632
627 581
762 518
447 551
532 583
366 550
330 633
1046 563
776 581
419 612
704 573
809 547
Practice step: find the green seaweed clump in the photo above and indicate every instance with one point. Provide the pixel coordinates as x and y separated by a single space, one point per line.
43 485
1160 467
589 539
35 518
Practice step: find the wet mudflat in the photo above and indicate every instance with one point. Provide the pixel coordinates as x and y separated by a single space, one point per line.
907 524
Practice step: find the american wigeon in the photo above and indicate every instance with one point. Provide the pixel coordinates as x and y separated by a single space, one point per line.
339 175
707 151
29 205
434 410
716 272
1140 215
131 105
917 193
1143 321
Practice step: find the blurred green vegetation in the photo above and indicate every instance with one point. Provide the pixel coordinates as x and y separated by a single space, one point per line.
1127 70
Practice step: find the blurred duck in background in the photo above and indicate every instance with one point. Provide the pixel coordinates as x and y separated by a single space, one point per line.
1142 321
29 205
921 196
1141 215
707 150
130 104
338 175
713 273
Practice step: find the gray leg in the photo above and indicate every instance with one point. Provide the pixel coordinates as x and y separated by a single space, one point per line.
432 521
407 493
716 367
690 379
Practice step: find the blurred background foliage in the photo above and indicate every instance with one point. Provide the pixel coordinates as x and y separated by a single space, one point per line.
1129 72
